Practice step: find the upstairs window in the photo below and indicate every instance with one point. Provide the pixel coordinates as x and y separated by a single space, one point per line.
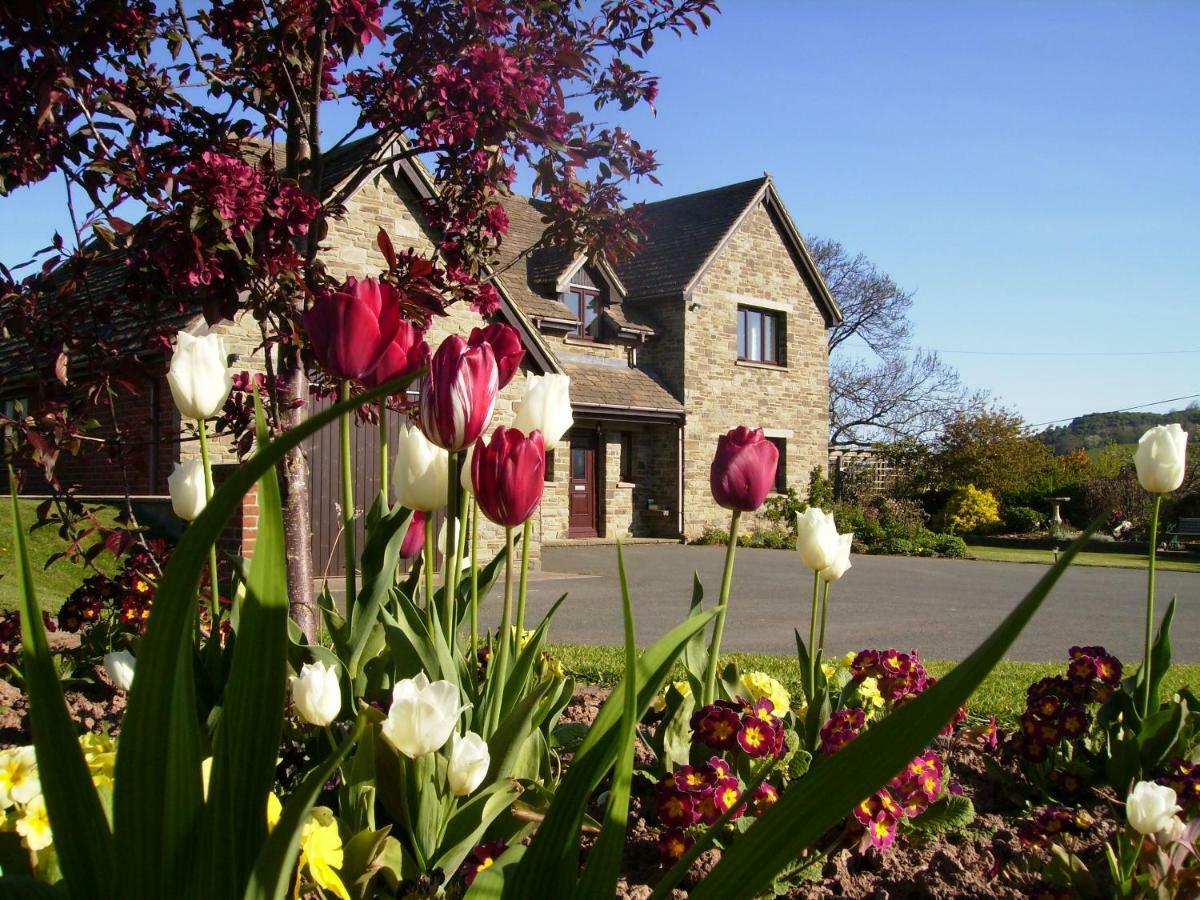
584 305
758 335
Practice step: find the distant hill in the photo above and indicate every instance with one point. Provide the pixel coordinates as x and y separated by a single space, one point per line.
1100 429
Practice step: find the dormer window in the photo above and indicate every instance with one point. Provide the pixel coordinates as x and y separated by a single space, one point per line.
584 297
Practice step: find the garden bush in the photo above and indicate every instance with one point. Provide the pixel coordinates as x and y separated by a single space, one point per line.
950 546
970 511
1023 519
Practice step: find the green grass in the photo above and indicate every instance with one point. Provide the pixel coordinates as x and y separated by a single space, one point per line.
1002 694
53 584
1111 560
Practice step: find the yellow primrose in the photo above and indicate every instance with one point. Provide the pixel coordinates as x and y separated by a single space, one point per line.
553 669
868 693
760 684
100 754
34 825
848 659
321 852
828 670
19 781
274 811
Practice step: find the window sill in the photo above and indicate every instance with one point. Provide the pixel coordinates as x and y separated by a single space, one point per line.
579 339
629 485
751 364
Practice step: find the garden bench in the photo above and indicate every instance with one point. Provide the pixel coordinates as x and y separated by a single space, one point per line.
1187 530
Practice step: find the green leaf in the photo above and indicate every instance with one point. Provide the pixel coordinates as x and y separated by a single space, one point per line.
695 654
247 741
276 861
490 883
950 813
1160 658
604 862
380 557
157 802
504 745
82 837
824 797
466 827
549 867
518 677
1160 735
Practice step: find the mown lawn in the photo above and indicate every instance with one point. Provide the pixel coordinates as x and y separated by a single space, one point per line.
1002 693
1111 560
52 584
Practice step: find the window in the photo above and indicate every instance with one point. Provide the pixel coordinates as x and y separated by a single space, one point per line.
627 457
549 475
758 335
781 484
584 304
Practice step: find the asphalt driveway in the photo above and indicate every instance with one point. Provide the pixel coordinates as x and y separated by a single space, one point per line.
942 607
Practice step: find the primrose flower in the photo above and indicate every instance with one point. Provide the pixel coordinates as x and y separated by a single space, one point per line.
716 725
100 754
725 795
481 859
719 767
1075 722
756 737
675 807
759 685
691 780
321 852
672 844
34 825
868 694
19 782
882 831
766 795
840 729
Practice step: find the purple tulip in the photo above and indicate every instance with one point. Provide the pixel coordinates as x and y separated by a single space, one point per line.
743 469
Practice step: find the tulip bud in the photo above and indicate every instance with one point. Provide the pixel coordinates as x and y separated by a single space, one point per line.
317 693
458 393
546 407
352 329
743 469
422 715
421 472
469 761
1160 458
817 539
841 562
186 485
1150 807
120 666
403 356
199 376
414 538
506 347
509 475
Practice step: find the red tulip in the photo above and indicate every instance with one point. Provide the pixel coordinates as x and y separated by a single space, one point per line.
414 538
506 345
351 330
404 355
508 475
458 393
743 469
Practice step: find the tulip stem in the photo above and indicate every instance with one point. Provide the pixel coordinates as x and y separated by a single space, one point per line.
824 609
451 560
214 602
500 672
348 507
710 680
812 634
474 578
526 532
429 609
1146 665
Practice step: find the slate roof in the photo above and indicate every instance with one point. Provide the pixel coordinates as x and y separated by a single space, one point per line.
612 383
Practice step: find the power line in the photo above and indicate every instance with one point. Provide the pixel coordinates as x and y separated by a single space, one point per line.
1066 353
1126 409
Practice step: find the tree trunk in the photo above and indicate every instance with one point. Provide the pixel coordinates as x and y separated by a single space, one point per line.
297 530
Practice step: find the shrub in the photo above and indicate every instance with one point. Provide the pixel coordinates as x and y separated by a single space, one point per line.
1023 519
971 510
713 536
820 489
894 546
950 546
783 508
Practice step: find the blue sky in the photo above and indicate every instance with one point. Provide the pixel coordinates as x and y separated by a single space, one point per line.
1029 169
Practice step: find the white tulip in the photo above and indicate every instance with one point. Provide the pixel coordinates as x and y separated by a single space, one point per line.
120 666
1172 834
186 484
546 407
464 477
1150 807
817 539
1160 458
446 552
841 563
422 715
422 471
469 761
199 377
317 693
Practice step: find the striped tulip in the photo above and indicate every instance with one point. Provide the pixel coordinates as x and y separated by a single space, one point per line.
508 475
458 393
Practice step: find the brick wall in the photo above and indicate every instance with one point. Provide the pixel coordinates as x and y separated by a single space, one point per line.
789 401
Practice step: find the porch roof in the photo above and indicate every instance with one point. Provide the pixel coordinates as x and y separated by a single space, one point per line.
620 388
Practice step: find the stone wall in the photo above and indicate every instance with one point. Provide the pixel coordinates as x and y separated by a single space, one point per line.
790 401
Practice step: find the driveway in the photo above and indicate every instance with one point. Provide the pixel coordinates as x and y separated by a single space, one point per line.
942 607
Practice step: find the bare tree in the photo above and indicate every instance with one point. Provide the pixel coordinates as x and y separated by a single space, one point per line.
880 389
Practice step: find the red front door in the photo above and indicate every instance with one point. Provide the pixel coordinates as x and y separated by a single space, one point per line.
581 484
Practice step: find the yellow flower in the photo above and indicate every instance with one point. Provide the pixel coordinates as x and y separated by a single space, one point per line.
321 852
274 811
827 669
34 825
19 781
685 690
100 753
760 684
552 667
868 693
848 659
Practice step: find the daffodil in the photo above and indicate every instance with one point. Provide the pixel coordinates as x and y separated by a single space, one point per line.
34 825
321 852
19 781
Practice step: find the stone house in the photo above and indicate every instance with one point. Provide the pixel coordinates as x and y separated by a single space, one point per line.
719 320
